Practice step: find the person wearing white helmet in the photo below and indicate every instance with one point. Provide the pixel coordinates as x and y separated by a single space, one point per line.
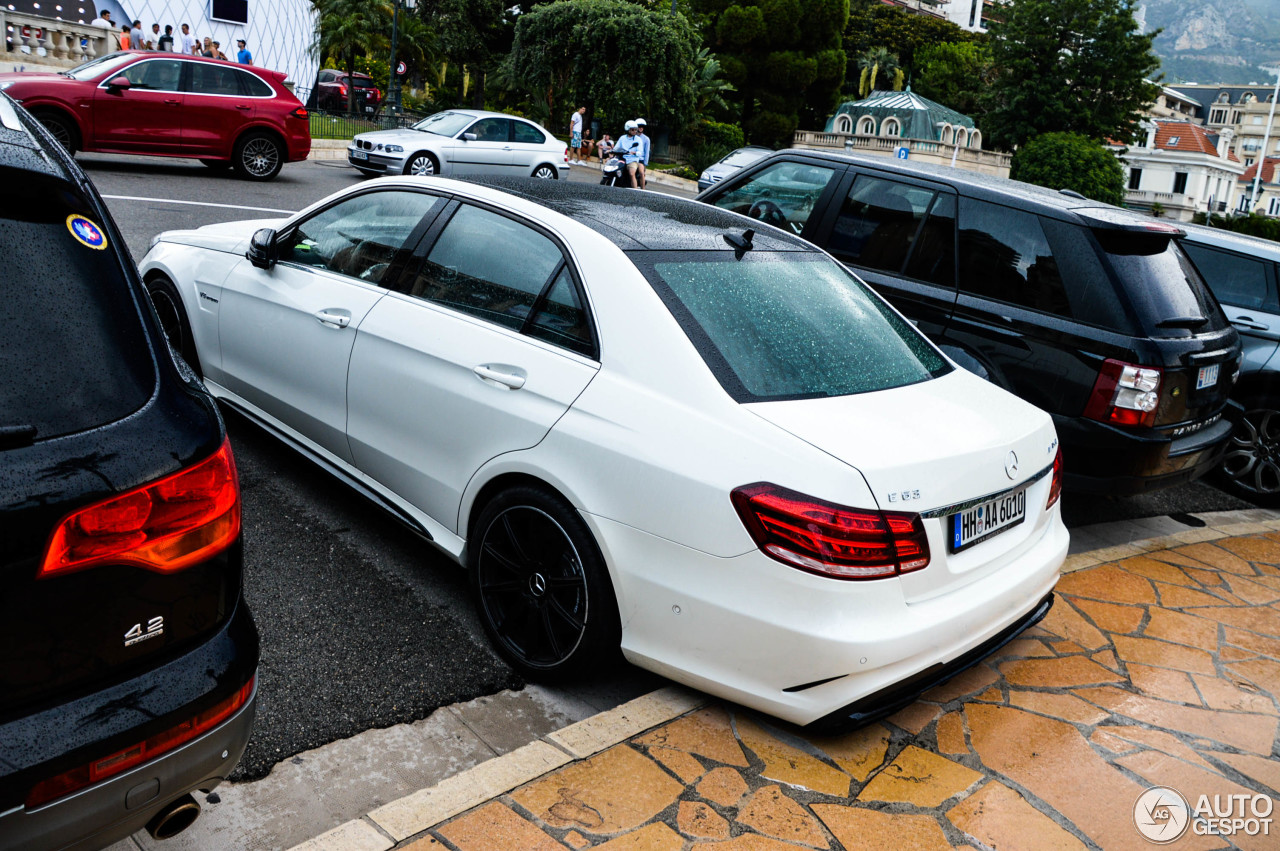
641 126
631 148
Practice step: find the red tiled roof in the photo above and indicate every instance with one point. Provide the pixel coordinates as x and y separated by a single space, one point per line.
1268 171
1192 138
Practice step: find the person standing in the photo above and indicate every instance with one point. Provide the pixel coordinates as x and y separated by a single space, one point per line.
153 38
138 38
104 21
217 51
187 42
207 49
126 37
575 133
165 42
243 56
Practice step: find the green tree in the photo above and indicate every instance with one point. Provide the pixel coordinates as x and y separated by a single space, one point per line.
346 29
877 67
1068 66
1071 161
954 74
873 24
606 54
709 87
472 34
784 57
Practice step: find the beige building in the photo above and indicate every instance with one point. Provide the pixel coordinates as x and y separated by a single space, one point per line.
1181 168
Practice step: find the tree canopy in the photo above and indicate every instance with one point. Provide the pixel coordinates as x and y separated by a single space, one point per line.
875 25
954 74
785 58
608 54
1071 161
1077 66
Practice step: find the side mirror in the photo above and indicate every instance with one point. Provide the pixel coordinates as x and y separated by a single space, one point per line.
263 251
468 137
120 83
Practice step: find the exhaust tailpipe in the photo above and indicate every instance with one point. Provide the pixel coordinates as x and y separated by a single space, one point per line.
174 818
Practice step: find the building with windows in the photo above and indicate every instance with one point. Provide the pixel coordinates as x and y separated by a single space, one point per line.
278 33
929 8
907 126
1181 168
1268 201
972 15
1242 109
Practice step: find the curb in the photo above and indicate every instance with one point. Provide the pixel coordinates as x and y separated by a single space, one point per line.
387 826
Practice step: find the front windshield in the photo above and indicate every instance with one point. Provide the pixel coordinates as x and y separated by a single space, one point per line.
444 123
94 67
787 324
744 158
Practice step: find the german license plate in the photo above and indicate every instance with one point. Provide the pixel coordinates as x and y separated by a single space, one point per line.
359 155
1208 376
977 524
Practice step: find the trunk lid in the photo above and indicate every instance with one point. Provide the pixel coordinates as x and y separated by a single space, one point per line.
927 447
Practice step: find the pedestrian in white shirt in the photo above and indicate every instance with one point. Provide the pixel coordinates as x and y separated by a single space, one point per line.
187 42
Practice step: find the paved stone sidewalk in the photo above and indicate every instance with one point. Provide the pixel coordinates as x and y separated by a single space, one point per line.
1157 669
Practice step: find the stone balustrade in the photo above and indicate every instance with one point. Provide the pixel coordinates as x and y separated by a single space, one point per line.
51 41
920 150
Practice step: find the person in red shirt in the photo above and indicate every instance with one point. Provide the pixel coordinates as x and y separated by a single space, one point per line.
126 41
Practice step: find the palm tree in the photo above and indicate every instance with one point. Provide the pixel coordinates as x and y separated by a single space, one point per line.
349 28
709 87
876 62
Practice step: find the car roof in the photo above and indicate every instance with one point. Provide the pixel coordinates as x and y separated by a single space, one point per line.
1000 190
1222 238
25 145
636 219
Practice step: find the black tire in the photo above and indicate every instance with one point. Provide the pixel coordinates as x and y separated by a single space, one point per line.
258 156
422 164
173 319
541 586
1250 469
62 129
216 165
546 172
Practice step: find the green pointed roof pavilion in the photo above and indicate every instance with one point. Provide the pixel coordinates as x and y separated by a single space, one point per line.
921 118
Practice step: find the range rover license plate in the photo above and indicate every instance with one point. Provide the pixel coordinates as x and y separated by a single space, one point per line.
977 524
1208 376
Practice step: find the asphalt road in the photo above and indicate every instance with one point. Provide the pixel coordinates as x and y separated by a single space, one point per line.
363 625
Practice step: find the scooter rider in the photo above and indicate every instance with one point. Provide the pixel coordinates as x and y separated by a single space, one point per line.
631 148
643 168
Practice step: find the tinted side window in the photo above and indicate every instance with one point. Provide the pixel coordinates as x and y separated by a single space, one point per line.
1004 255
358 237
488 266
213 80
491 130
158 75
528 134
934 257
255 85
1235 280
561 319
1090 290
878 223
783 194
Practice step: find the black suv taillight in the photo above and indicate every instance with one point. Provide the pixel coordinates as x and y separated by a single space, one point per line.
1125 394
828 539
184 518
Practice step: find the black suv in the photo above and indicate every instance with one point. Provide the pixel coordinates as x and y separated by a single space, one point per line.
127 655
1088 311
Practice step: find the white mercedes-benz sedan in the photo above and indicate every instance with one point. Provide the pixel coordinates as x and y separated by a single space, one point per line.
639 422
462 143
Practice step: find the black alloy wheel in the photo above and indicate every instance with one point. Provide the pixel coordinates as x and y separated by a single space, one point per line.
542 590
1251 466
61 129
173 319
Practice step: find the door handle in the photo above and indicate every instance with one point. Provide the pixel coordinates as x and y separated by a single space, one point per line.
489 374
242 106
333 318
172 101
1247 322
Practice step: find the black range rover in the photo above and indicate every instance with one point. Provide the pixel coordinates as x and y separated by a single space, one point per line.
128 657
1088 311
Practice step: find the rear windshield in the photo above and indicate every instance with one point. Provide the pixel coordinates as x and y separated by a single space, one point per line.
362 83
788 325
1162 282
73 354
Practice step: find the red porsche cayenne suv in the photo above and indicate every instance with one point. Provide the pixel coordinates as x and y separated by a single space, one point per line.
168 105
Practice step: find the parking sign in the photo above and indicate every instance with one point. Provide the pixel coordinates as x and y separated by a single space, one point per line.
903 152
